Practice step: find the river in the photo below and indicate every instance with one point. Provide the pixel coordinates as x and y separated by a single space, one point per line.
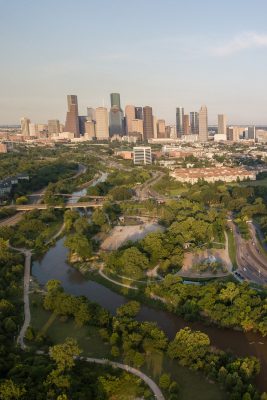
54 266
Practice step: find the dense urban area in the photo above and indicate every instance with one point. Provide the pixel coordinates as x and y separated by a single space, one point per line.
133 269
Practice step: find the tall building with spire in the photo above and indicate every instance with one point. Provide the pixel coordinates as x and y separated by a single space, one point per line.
179 121
148 123
203 124
72 120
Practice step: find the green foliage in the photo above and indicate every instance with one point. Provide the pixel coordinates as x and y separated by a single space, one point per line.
10 391
79 245
226 304
165 381
190 348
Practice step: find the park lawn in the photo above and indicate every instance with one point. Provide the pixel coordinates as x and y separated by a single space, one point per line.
58 329
193 385
232 248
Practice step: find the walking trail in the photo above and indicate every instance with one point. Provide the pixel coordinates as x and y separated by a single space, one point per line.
153 386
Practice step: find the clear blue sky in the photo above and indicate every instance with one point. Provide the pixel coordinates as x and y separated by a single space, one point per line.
163 53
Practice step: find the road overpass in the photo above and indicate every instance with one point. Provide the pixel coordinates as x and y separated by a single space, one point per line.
30 207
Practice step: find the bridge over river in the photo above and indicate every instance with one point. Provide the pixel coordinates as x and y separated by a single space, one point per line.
30 207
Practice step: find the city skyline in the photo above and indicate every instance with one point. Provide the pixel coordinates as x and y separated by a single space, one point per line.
180 63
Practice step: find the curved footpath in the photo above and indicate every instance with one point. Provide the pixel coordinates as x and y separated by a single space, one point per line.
113 281
153 386
26 284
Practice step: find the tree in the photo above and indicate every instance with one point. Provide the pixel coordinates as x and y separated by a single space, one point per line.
164 381
189 347
80 245
229 293
11 391
130 309
63 354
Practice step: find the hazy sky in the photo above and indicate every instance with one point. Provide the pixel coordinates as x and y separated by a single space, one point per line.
163 53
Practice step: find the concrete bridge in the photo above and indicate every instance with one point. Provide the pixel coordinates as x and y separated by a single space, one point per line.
30 207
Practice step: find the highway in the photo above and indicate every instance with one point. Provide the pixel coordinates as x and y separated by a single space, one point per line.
252 264
145 192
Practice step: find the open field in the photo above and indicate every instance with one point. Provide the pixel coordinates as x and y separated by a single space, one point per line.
121 234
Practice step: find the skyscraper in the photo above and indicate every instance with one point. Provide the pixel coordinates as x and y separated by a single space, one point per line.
72 121
203 124
155 126
82 120
222 124
186 125
115 121
33 129
179 121
25 126
91 113
137 126
89 129
53 126
129 116
161 128
251 132
194 125
101 115
148 123
115 100
138 112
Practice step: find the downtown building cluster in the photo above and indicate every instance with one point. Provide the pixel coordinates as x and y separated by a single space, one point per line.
136 123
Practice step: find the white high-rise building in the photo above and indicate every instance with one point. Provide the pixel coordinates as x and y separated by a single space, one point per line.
129 116
221 124
142 155
101 116
203 124
25 126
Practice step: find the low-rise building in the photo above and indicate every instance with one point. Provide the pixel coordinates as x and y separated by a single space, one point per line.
225 174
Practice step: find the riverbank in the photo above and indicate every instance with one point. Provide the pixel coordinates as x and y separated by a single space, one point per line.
192 385
54 266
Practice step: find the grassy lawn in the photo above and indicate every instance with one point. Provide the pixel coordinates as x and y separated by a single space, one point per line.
232 248
193 385
58 329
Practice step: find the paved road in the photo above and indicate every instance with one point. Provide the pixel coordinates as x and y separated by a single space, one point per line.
145 191
252 265
26 284
153 386
12 220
